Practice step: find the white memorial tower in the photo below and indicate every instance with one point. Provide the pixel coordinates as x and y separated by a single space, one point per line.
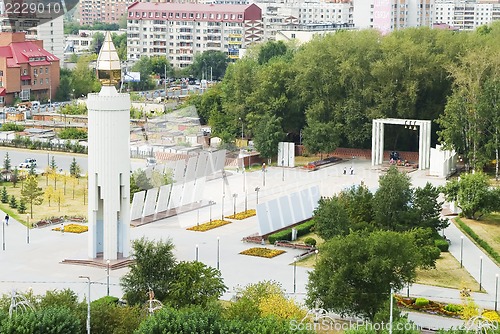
108 161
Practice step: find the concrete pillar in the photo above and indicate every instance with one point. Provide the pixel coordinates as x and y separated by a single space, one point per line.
381 144
374 140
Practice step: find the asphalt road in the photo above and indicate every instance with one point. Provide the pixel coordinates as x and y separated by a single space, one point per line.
63 160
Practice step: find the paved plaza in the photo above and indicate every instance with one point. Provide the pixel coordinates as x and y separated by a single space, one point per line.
38 266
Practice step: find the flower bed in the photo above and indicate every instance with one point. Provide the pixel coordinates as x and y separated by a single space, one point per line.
72 228
243 215
208 226
262 252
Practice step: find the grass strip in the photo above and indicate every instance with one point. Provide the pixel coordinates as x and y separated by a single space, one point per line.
477 239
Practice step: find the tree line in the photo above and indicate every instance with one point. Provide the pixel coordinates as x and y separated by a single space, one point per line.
326 92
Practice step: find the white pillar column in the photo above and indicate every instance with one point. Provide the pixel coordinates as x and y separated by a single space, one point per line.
381 144
421 146
374 140
428 144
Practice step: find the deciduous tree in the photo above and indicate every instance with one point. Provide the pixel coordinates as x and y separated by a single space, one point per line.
32 193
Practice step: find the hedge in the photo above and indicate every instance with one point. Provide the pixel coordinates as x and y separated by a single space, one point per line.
442 244
302 229
478 240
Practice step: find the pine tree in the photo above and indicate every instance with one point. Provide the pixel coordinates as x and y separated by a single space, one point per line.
53 164
32 171
4 197
22 206
74 169
6 163
13 202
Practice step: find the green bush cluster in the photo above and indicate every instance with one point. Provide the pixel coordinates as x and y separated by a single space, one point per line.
12 127
281 235
478 240
310 241
421 302
302 229
453 308
442 244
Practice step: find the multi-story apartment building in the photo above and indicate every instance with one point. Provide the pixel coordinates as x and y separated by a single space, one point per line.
180 30
390 15
466 15
27 70
106 11
279 15
81 42
51 32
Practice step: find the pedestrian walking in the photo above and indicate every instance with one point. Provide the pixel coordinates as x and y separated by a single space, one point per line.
7 219
345 171
351 170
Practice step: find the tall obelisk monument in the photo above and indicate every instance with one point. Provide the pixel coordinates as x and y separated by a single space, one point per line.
108 161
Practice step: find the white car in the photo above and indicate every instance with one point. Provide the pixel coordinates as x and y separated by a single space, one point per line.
28 163
150 162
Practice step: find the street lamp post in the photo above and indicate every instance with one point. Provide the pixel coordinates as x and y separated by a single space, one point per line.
3 234
496 291
196 253
210 203
218 252
257 191
234 204
88 303
461 250
294 274
107 277
27 229
283 169
480 273
241 130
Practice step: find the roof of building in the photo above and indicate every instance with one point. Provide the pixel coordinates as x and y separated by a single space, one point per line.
189 7
26 52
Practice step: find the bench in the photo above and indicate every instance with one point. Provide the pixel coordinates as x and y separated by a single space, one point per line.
286 243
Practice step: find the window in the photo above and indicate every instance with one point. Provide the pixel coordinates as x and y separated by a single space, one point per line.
46 70
25 72
35 71
2 101
46 80
1 73
34 82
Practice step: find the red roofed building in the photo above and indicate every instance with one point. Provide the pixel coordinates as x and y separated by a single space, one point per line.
27 70
180 30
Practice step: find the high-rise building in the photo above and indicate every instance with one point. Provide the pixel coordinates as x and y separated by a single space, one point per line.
179 31
390 15
104 11
466 15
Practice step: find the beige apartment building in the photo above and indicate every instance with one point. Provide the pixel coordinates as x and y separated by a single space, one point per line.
180 30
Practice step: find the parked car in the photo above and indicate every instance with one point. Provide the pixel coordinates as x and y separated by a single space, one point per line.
150 162
28 163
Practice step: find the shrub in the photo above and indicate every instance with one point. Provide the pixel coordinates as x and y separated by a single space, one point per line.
13 202
304 228
281 235
4 196
310 242
22 206
483 244
442 244
491 316
420 302
453 308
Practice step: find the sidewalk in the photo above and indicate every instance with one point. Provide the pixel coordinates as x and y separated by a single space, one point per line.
37 265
